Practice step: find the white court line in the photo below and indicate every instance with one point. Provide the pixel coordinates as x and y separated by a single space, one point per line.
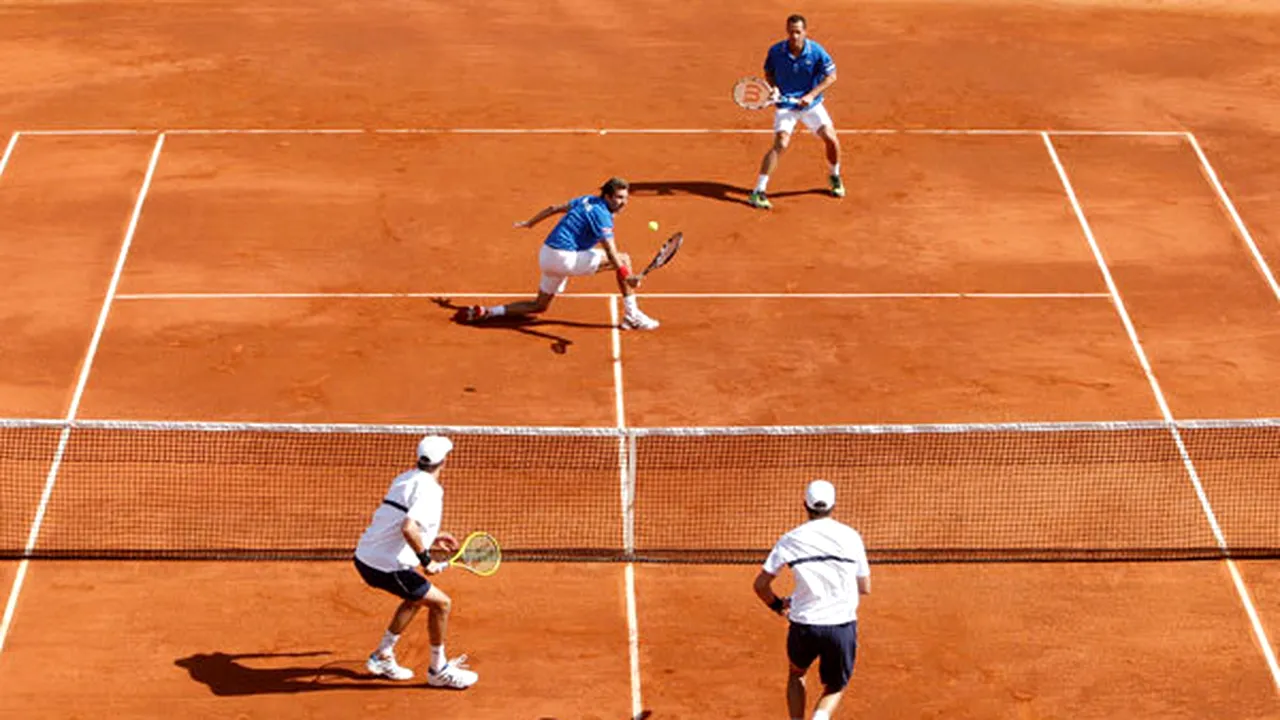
1212 176
8 152
1259 632
86 366
626 460
658 296
593 131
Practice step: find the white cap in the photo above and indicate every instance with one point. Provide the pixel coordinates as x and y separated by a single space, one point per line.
820 495
434 449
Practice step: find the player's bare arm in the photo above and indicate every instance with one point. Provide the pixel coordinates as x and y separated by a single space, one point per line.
827 82
774 92
412 532
620 263
543 214
864 586
763 586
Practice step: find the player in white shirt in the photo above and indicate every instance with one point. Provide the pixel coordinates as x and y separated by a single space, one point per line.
831 572
404 530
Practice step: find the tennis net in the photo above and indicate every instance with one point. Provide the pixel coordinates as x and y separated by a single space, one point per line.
928 493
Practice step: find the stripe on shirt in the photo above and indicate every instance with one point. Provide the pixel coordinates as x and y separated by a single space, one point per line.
821 558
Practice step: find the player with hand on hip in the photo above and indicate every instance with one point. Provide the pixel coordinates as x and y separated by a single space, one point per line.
801 70
829 562
405 527
580 244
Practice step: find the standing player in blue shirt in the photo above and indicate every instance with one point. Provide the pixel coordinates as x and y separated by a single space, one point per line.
580 244
800 70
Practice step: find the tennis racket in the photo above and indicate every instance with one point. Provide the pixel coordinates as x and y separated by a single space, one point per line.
754 93
665 254
479 553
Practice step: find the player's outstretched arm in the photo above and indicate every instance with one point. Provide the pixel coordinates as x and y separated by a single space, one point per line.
542 214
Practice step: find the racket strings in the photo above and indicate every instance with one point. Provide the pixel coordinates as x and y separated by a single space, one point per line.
481 554
752 93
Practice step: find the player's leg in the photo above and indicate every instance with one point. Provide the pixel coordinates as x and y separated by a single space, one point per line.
411 588
556 266
838 655
784 121
444 672
802 650
820 122
633 318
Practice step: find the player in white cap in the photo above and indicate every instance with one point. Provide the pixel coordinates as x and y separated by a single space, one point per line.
404 530
831 572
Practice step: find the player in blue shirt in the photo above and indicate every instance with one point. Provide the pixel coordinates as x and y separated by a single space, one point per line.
800 70
580 244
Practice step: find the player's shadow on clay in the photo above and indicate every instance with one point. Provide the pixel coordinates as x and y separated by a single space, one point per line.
227 675
524 325
723 192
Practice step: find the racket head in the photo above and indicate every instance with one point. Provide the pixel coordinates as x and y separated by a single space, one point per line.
753 93
666 252
480 553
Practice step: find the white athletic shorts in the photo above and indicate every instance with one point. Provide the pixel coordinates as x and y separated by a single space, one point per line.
784 120
560 265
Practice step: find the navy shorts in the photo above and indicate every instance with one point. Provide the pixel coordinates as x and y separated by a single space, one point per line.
834 646
405 584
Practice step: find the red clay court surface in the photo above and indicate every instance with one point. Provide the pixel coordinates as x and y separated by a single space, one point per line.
289 277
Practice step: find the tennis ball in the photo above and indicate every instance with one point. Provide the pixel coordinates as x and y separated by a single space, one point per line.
653 225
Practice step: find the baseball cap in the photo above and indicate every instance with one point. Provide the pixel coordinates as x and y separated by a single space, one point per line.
820 495
434 448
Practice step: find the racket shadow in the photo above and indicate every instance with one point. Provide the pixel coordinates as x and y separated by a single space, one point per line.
229 675
523 325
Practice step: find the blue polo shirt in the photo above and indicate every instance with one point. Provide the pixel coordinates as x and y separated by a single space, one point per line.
796 76
585 223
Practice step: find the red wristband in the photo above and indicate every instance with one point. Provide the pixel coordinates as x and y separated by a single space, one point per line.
624 272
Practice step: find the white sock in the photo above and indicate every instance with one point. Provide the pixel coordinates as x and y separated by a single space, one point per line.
821 715
438 659
498 310
388 642
762 182
835 170
629 302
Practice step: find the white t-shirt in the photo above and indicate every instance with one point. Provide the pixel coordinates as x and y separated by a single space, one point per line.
382 546
826 556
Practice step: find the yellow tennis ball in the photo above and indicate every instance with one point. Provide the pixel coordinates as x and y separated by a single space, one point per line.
653 225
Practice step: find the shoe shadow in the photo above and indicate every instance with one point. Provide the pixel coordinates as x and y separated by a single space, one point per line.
523 325
722 192
227 675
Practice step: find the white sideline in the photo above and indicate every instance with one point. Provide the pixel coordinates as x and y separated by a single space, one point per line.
1212 177
624 464
8 152
1193 475
74 406
669 296
590 131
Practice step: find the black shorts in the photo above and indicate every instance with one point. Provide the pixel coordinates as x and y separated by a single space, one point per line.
835 646
405 584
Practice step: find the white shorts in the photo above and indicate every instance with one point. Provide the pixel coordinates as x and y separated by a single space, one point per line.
560 265
784 120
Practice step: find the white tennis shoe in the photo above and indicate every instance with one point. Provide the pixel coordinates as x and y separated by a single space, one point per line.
454 675
636 320
386 666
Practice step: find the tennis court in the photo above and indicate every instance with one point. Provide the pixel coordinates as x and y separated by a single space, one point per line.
228 307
